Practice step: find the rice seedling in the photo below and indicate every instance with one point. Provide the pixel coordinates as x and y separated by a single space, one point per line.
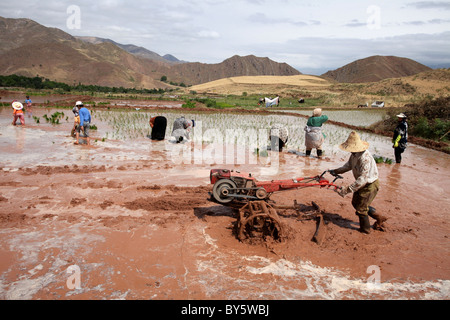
242 130
379 159
54 118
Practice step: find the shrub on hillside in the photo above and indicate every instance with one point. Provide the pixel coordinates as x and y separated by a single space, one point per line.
429 119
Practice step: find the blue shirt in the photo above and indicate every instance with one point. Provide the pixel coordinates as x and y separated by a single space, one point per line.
85 116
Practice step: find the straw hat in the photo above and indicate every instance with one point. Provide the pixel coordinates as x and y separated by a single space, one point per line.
401 115
354 143
317 112
17 105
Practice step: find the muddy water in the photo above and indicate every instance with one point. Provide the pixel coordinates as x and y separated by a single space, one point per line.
133 215
360 117
123 136
8 97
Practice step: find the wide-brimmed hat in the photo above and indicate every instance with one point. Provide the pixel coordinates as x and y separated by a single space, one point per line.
317 112
17 105
79 103
354 143
402 115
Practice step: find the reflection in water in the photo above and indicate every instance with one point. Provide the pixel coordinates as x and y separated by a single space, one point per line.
20 138
361 117
394 178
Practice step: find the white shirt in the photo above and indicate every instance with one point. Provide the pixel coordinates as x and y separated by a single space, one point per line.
364 169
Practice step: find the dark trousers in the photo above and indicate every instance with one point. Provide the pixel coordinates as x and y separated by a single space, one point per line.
398 154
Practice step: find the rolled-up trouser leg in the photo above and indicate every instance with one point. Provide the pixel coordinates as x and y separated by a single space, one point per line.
380 219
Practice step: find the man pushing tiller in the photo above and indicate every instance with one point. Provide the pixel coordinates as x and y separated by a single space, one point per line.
366 185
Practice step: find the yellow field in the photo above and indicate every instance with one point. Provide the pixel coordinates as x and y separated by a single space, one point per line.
258 84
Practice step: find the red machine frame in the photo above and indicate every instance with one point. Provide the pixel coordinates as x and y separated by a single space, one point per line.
232 185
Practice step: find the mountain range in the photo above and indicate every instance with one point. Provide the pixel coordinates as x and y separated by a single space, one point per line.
30 49
133 49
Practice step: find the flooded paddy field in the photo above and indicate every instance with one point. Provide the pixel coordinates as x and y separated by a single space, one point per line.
360 117
131 216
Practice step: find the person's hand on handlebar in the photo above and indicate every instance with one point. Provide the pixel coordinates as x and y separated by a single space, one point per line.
333 173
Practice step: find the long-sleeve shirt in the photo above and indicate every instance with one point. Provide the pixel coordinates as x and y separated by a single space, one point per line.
85 116
364 169
317 121
181 128
400 138
280 131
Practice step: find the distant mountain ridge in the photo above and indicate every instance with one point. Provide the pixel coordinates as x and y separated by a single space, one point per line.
30 49
376 68
133 49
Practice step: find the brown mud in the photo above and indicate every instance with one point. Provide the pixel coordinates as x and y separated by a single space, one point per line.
134 239
145 229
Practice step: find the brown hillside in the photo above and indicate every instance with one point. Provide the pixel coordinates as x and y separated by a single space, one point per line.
135 50
233 67
30 49
376 68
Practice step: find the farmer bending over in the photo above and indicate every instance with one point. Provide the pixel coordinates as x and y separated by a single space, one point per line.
76 118
366 185
182 128
18 112
158 125
278 136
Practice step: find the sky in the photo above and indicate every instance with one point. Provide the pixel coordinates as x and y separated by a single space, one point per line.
311 36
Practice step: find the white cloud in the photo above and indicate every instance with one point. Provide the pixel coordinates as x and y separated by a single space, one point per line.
209 34
445 5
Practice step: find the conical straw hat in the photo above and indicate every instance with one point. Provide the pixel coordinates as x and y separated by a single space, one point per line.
354 143
17 105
